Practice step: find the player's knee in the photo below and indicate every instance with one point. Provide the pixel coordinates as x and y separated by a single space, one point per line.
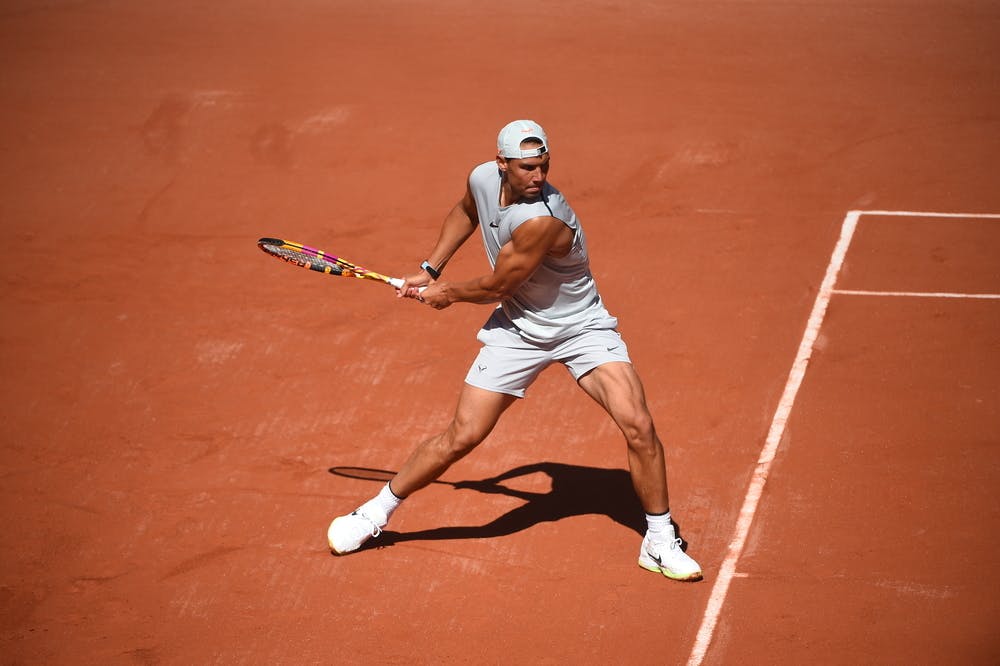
641 434
461 438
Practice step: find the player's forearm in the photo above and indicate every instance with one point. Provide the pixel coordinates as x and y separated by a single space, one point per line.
474 291
493 288
456 229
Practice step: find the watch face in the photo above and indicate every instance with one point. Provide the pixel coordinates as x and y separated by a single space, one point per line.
434 273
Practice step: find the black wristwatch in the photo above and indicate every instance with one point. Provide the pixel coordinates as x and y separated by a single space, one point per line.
433 272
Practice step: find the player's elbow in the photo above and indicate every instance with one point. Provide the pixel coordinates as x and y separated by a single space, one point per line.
499 290
501 293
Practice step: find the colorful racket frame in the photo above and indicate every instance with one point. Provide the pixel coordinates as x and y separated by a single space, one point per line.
320 261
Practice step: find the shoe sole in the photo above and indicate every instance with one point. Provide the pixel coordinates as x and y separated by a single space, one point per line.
338 552
655 568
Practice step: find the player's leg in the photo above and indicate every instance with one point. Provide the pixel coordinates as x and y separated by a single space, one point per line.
500 374
617 388
475 416
477 413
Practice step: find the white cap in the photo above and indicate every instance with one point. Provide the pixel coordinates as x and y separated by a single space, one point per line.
511 136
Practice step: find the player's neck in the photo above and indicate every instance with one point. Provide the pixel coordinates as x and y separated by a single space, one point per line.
506 194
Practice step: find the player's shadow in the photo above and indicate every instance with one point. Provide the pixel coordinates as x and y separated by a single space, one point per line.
575 491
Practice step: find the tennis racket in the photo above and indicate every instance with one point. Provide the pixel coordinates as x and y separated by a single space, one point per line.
318 260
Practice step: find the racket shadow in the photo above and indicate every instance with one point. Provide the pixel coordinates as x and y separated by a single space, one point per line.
575 491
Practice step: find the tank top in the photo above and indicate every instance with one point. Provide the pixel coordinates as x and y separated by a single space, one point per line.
560 299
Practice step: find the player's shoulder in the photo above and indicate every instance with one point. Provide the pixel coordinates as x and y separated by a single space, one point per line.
534 213
550 206
483 172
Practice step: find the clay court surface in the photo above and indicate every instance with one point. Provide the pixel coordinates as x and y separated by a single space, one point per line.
173 400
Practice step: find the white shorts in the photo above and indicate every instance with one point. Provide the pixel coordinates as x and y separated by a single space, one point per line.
508 363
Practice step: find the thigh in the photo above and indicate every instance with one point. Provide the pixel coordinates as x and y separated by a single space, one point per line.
477 413
617 387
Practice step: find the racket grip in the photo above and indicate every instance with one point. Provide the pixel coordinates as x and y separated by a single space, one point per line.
398 282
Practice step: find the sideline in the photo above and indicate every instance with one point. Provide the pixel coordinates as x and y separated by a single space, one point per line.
766 458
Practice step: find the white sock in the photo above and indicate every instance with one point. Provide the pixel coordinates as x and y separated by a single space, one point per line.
658 523
385 501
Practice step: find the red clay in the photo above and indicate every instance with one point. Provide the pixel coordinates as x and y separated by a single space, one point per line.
173 400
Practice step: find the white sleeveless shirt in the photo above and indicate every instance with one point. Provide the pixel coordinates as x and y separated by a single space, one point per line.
560 299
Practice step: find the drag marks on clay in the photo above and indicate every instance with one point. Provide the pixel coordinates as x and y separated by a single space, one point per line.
194 121
216 352
199 561
87 583
163 130
216 98
273 143
687 155
911 589
143 655
154 201
325 120
298 467
201 446
705 154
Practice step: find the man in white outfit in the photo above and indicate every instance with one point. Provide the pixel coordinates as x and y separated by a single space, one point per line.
549 311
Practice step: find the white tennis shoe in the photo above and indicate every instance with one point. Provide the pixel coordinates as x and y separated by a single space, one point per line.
347 533
664 555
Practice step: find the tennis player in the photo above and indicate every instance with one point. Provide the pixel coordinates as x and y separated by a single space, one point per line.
549 312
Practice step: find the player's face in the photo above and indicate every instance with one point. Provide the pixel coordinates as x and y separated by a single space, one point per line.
525 176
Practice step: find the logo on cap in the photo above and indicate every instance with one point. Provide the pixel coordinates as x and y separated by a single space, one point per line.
513 134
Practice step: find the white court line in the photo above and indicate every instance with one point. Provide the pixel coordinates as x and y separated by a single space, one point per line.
908 213
913 294
727 571
919 294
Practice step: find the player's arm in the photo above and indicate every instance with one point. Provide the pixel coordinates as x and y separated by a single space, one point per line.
518 259
458 226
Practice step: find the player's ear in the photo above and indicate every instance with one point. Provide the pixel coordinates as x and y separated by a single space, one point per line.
502 163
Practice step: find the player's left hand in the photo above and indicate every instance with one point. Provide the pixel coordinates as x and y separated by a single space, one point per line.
435 296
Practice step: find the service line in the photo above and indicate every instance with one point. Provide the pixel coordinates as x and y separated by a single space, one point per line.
914 294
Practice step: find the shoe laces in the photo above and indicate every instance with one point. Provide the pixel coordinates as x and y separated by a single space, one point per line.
666 545
375 529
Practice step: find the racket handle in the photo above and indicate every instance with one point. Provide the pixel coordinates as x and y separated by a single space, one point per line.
398 282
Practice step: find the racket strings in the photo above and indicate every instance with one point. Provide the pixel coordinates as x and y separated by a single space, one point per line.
307 259
317 260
